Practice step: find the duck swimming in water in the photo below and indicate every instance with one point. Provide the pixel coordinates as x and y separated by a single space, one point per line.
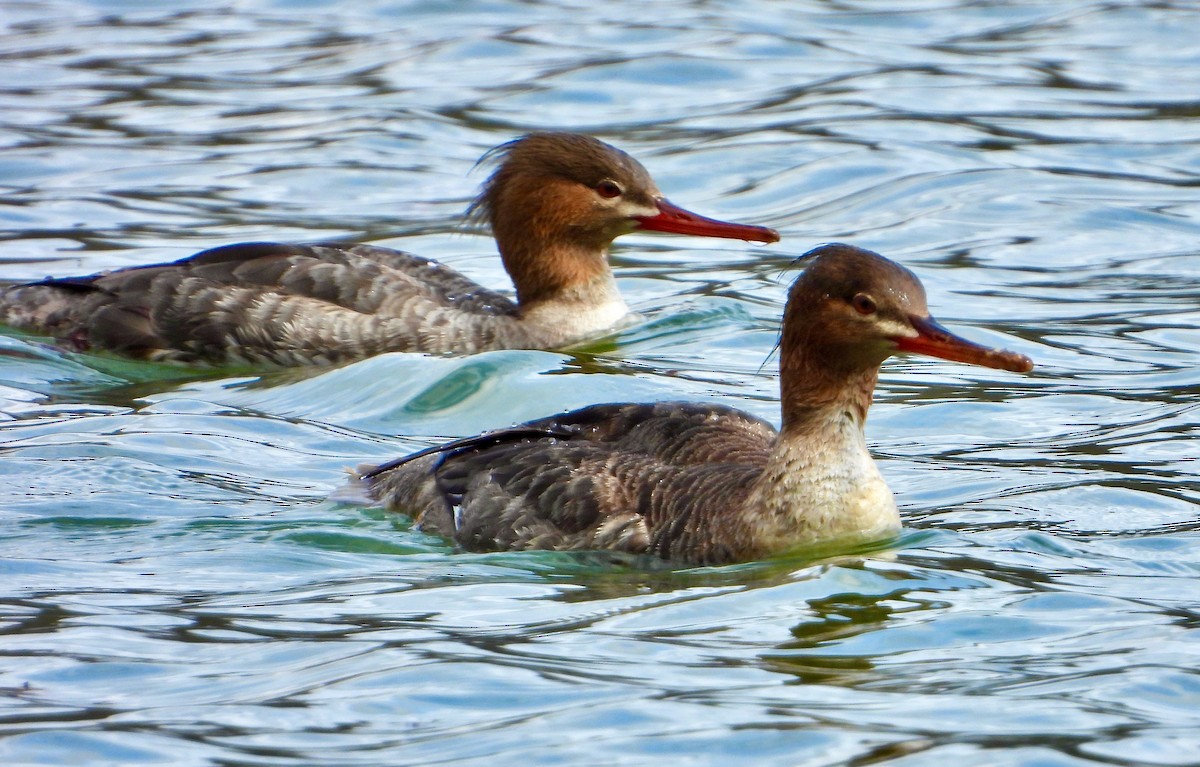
702 483
555 204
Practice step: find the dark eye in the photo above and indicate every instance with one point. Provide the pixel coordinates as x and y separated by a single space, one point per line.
608 189
863 304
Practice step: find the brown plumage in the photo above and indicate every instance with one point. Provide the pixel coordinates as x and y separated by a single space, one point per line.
697 482
555 204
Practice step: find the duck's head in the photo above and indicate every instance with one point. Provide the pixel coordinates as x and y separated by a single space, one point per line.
849 311
565 197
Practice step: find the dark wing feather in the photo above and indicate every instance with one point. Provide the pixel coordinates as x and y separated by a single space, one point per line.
85 284
637 478
458 446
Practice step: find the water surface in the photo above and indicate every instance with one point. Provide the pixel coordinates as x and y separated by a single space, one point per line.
178 590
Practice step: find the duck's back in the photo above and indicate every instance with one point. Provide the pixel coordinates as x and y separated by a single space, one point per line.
269 302
630 478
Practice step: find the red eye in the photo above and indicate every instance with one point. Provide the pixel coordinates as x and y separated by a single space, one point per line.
608 189
863 304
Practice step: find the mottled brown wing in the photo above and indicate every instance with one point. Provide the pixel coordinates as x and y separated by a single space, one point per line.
253 302
356 277
623 477
450 286
676 433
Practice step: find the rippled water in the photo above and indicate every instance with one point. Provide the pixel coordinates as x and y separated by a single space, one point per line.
177 590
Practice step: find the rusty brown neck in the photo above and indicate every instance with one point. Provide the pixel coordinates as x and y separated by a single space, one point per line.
814 386
548 257
553 270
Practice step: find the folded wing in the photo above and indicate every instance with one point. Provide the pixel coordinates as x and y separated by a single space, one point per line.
625 477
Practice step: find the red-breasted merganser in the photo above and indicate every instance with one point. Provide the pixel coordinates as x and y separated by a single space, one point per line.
555 204
698 482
